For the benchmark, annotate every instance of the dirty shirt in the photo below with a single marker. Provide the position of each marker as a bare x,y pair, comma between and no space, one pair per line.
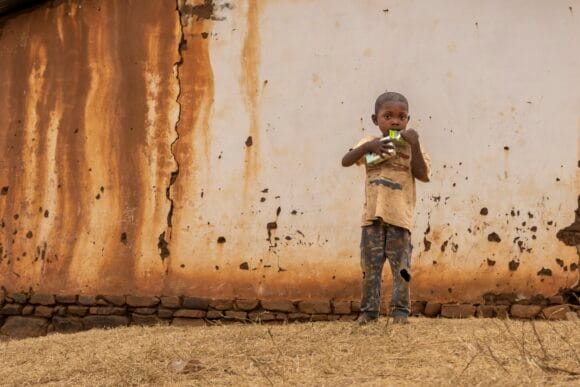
390,187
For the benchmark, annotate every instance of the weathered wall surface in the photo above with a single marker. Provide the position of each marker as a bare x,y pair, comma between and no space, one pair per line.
155,149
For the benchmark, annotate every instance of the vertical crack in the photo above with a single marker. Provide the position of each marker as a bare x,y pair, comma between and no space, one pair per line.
163,244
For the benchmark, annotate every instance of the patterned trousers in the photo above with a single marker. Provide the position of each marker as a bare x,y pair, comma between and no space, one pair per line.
379,242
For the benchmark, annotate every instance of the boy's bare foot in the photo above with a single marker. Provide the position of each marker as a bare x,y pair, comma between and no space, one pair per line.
400,320
364,319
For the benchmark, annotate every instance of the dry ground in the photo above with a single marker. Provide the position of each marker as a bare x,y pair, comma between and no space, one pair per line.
428,351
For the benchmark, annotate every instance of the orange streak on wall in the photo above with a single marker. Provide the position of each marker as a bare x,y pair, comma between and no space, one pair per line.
250,85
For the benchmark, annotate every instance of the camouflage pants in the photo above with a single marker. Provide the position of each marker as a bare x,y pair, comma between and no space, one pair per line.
379,242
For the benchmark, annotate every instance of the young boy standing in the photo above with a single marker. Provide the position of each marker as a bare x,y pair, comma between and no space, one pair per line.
389,204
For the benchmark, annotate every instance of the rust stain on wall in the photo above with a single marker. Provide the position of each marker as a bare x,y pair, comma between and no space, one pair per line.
84,166
250,62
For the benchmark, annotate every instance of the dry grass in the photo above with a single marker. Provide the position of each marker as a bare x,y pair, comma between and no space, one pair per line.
428,351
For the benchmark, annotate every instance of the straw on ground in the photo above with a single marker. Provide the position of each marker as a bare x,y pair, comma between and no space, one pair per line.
432,351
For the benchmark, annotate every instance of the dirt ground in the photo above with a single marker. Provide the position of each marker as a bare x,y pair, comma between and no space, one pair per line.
428,351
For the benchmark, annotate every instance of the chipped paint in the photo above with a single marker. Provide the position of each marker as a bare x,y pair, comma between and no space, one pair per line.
192,147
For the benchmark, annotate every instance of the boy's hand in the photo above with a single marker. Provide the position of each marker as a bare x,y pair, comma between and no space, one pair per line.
379,147
411,136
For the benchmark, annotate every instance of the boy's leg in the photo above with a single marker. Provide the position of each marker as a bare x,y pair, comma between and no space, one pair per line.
398,251
372,261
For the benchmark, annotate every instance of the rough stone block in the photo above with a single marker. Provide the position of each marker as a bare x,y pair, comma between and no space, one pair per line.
27,310
221,304
262,316
341,307
525,311
314,307
556,312
333,317
247,305
87,300
77,310
42,299
115,300
165,313
417,308
556,300
298,317
108,310
457,310
60,310
279,306
11,309
319,317
171,302
195,303
348,317
2,297
142,301
66,299
138,319
190,313
146,311
501,311
485,311
90,322
67,324
281,316
214,314
432,309
236,315
187,322
355,306
19,298
44,311
20,327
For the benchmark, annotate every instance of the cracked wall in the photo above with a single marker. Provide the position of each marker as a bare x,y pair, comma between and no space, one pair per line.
192,146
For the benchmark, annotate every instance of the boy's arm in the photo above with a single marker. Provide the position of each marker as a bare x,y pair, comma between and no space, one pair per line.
419,166
373,146
353,155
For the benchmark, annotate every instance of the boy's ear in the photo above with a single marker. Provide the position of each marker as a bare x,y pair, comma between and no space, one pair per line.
374,118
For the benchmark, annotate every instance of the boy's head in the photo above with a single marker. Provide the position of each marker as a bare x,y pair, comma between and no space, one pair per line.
391,112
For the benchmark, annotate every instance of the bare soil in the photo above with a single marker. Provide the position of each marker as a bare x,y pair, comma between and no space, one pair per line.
427,351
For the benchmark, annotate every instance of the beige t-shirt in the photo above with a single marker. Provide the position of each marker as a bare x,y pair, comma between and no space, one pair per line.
390,188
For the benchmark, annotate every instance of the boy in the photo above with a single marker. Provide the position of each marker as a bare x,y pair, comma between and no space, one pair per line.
389,205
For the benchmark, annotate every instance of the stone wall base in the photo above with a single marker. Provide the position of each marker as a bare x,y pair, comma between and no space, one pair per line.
30,315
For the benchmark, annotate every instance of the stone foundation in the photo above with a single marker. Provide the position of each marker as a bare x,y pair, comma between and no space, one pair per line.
29,315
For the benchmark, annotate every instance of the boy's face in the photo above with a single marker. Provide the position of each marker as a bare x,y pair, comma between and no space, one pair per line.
391,115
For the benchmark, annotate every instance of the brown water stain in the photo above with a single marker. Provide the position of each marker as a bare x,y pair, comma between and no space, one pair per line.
250,62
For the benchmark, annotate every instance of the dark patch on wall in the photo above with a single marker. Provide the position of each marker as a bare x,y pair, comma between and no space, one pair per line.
244,266
571,235
221,239
4,191
490,262
427,244
513,265
249,141
545,272
484,211
162,245
493,237
124,238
